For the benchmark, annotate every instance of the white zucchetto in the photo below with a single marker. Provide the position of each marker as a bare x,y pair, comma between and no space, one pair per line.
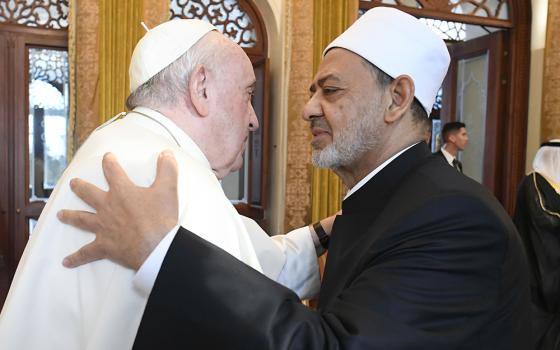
162,45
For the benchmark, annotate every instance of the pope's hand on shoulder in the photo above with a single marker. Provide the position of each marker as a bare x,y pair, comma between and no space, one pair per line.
129,221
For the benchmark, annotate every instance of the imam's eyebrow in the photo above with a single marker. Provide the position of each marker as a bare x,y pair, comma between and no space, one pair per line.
321,81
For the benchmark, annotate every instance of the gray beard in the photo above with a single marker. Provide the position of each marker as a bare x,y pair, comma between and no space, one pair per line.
360,135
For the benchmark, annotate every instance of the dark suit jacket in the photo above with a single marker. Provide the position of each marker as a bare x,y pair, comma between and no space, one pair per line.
440,154
421,258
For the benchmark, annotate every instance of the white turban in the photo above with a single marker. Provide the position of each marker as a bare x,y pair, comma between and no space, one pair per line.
399,44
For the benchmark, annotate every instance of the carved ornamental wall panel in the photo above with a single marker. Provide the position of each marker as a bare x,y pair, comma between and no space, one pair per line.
48,65
227,15
52,14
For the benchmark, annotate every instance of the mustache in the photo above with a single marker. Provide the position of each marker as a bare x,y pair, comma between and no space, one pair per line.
320,123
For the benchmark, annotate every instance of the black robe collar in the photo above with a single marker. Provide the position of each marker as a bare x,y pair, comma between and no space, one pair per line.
374,193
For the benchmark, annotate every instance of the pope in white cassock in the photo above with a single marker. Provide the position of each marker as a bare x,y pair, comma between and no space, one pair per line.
191,94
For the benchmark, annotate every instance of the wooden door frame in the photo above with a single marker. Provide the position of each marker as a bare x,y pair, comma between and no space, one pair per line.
5,142
256,209
518,41
492,44
15,117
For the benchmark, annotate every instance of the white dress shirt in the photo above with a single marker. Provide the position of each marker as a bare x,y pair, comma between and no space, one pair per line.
448,156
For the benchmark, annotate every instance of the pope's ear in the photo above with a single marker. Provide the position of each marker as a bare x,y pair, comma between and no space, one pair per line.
402,96
198,86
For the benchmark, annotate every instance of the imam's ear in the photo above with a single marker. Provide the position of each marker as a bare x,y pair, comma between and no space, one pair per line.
402,96
198,85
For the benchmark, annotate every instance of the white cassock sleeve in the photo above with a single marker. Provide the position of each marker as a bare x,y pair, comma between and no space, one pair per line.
288,259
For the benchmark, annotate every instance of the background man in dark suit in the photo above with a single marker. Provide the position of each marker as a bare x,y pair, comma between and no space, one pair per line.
420,258
455,138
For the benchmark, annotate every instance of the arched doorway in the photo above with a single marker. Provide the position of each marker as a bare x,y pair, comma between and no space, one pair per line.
504,54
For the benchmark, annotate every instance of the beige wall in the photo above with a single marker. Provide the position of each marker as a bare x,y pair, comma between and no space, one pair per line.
538,39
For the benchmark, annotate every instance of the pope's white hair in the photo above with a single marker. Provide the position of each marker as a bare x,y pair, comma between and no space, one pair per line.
169,85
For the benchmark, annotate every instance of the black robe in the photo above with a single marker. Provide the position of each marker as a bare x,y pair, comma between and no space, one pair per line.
421,258
539,228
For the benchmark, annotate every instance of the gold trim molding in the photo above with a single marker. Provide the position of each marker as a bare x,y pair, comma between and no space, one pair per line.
86,61
298,172
550,123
